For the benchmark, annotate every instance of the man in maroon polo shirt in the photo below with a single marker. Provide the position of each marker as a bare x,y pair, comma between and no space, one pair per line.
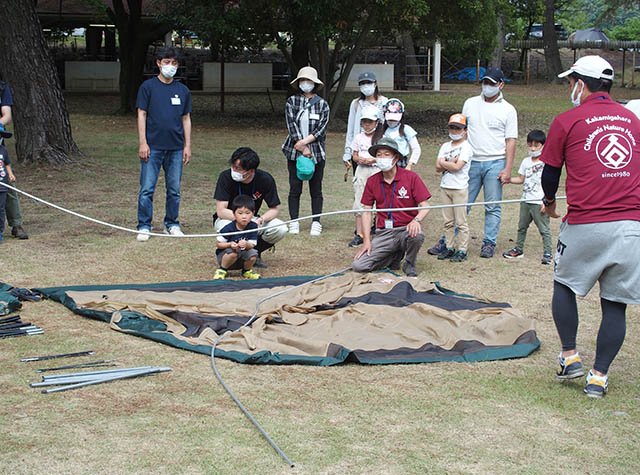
398,232
598,142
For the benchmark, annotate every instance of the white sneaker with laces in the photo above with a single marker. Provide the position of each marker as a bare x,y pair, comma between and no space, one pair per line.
316,228
143,235
294,228
173,231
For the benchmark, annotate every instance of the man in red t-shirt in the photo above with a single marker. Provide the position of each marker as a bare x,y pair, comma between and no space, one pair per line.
398,232
598,142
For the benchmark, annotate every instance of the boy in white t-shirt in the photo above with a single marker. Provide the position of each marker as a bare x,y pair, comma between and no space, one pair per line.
454,161
530,175
366,164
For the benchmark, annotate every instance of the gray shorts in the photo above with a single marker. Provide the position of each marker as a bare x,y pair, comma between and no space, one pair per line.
242,255
608,253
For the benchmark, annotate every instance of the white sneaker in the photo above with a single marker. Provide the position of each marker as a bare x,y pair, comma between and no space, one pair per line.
143,235
294,228
316,228
173,231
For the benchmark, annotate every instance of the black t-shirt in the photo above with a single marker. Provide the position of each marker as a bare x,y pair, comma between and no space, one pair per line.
262,188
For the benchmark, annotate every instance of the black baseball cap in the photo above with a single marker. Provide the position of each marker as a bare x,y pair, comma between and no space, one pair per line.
494,75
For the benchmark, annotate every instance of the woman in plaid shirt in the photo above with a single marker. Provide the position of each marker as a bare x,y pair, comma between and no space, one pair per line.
307,115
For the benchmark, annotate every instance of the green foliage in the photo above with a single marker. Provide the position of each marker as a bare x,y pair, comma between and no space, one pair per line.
630,31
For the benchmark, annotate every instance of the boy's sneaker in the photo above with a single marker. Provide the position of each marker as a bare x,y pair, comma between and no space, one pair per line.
19,232
459,256
596,386
294,228
569,367
546,258
220,274
316,228
488,248
249,274
356,241
514,253
440,246
446,254
143,235
173,230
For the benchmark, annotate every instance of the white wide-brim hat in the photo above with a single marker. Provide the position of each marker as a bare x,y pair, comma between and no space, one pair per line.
310,73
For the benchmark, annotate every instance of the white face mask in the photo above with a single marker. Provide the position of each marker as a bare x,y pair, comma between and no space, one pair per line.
371,130
237,176
393,124
168,71
306,86
575,95
368,89
384,164
455,137
489,90
535,154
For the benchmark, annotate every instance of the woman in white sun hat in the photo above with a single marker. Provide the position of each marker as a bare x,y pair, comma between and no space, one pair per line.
307,116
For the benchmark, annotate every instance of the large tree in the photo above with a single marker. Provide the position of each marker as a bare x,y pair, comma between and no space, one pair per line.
550,40
43,130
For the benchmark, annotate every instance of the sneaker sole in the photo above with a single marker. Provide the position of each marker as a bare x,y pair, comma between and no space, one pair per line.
513,257
594,394
573,375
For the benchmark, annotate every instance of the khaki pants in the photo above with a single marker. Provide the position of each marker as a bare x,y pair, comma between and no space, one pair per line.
455,217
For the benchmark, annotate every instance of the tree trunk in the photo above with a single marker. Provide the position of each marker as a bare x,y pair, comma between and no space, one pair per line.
42,126
496,56
135,38
413,68
551,51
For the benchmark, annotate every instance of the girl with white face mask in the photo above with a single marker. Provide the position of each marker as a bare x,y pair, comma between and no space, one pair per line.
369,97
404,135
307,116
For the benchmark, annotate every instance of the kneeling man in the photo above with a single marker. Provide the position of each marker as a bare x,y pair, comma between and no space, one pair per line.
244,178
398,232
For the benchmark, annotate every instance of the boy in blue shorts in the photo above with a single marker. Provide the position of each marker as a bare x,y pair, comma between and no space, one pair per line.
238,249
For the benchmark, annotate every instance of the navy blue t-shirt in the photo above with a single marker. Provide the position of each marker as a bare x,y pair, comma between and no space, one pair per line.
5,98
165,105
4,161
231,228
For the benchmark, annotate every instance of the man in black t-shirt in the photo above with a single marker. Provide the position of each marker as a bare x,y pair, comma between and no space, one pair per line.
244,178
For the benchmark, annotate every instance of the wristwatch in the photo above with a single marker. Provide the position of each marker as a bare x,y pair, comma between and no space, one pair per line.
416,219
547,202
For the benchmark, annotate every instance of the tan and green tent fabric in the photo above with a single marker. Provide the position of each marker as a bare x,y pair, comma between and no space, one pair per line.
372,318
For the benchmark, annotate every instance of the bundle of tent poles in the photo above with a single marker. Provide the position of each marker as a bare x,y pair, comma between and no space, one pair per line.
68,381
14,326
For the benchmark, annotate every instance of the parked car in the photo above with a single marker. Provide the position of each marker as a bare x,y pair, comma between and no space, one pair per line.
536,32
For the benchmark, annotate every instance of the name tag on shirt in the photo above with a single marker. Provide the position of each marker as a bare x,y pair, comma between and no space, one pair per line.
388,224
175,101
314,116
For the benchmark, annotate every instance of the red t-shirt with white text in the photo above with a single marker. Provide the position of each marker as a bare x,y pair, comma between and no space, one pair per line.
405,191
599,144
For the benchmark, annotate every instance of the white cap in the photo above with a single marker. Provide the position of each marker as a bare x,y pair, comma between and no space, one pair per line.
591,66
369,112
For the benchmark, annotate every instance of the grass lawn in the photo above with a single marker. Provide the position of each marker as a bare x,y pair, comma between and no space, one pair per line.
492,417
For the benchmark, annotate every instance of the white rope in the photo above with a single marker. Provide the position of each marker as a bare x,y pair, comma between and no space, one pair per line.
264,228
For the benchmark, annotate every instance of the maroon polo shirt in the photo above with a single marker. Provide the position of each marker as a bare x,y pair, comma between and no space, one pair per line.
405,191
599,144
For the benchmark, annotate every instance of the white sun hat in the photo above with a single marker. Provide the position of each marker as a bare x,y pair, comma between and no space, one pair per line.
309,73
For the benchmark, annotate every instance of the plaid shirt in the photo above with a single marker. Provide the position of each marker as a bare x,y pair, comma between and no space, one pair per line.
317,127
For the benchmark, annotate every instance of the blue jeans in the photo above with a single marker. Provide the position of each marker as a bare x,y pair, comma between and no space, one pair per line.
171,162
485,174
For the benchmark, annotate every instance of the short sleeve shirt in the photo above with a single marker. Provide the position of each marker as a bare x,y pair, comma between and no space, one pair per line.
5,98
402,140
165,105
4,161
262,188
598,142
361,144
489,125
405,191
456,180
532,185
252,237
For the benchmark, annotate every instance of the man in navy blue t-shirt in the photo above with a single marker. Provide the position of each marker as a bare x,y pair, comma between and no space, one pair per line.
164,129
14,212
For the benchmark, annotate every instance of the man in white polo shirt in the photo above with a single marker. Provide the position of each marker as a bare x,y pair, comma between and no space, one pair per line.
492,134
